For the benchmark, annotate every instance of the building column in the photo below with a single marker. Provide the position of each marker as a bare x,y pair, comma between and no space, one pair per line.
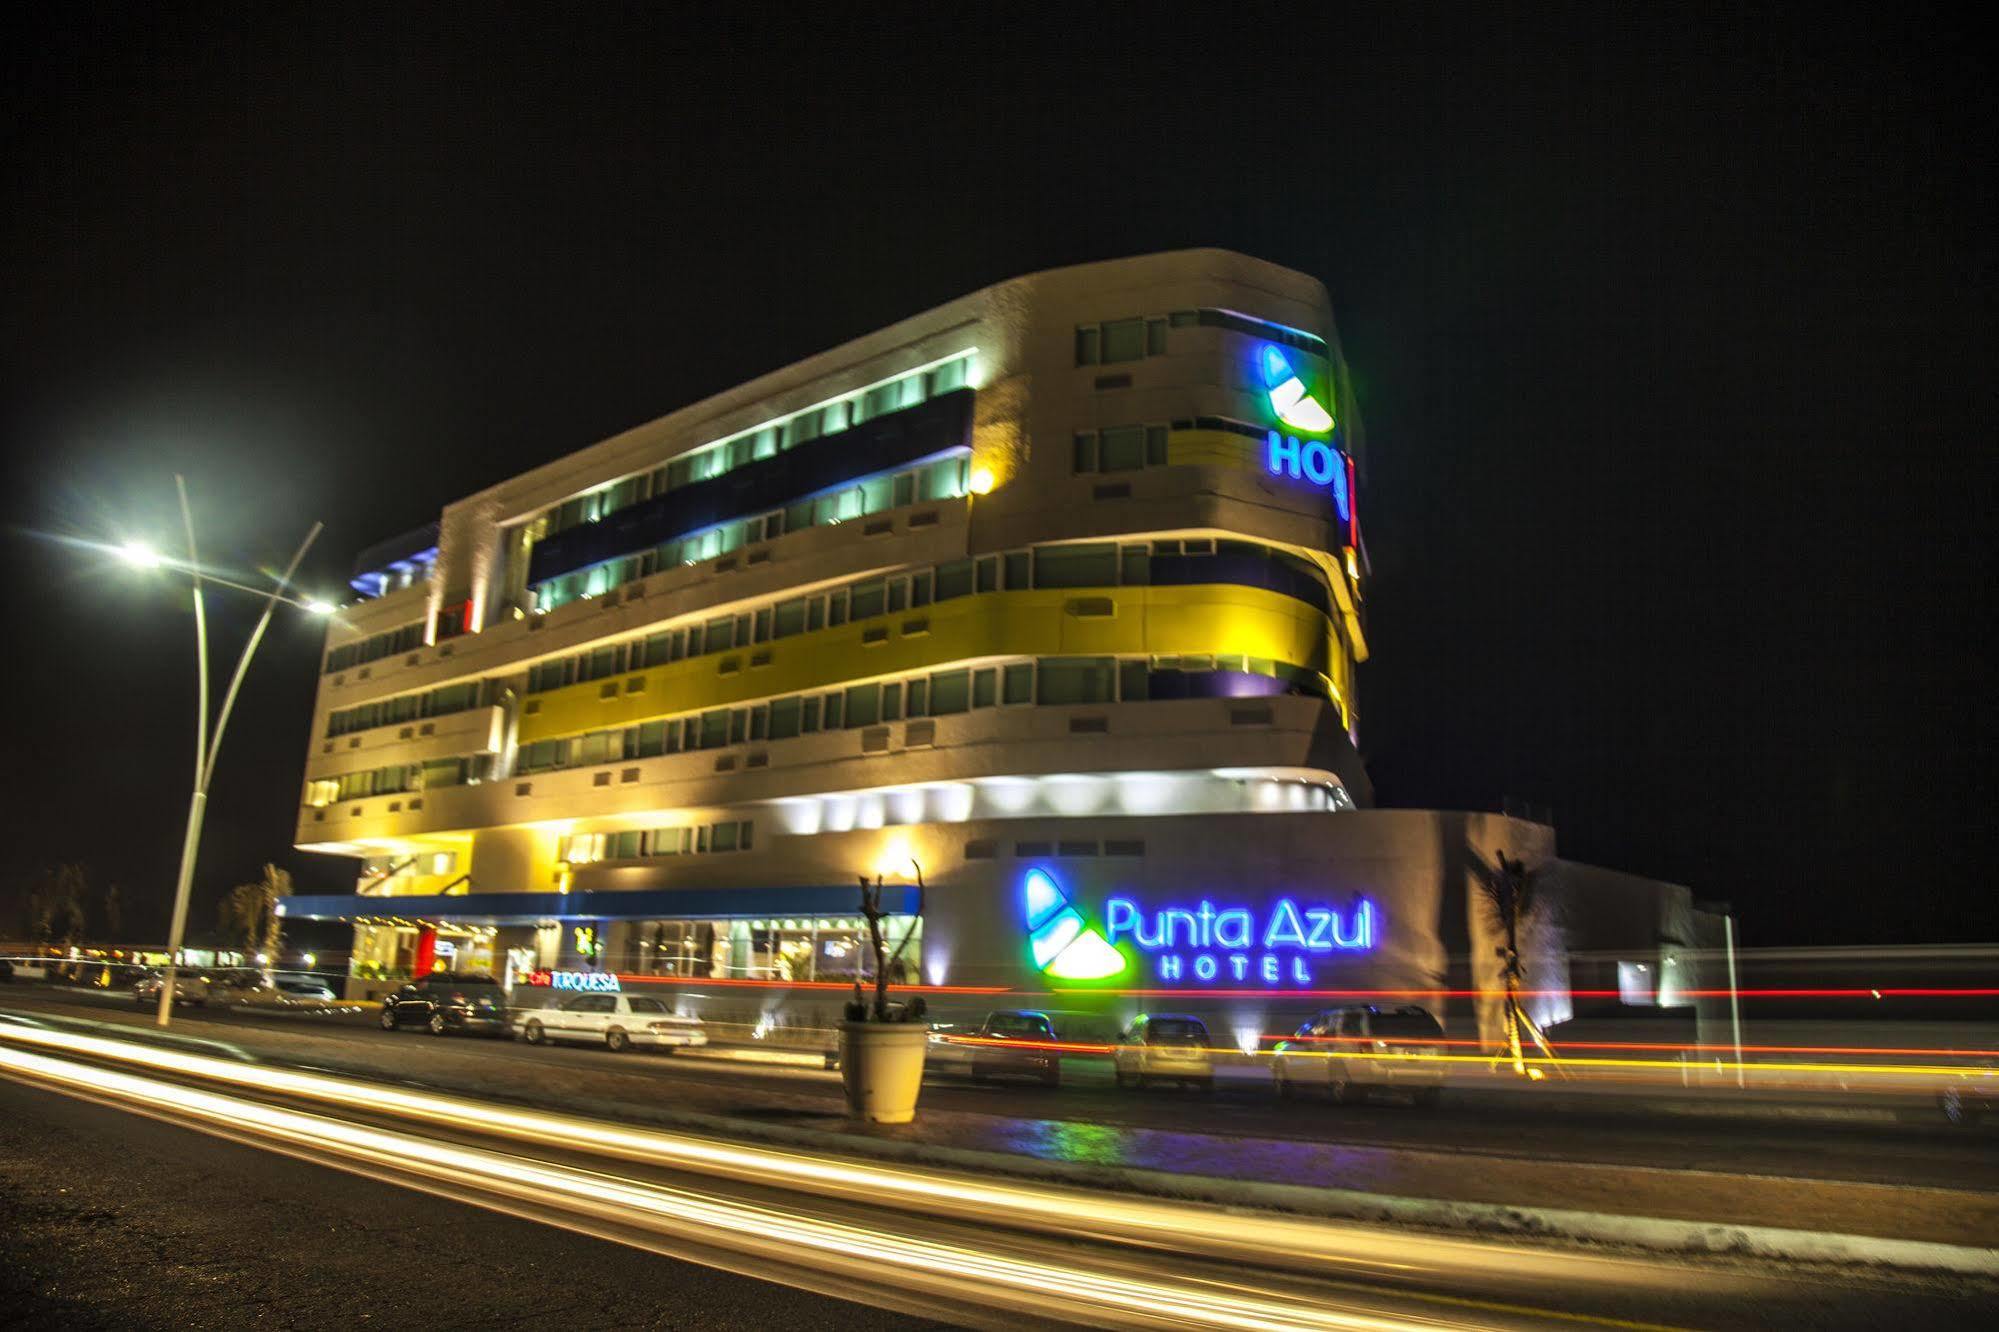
426,951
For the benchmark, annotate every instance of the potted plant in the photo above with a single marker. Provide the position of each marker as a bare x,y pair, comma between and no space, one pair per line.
882,1042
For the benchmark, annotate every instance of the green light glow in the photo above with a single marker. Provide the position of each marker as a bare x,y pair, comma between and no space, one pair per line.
1059,941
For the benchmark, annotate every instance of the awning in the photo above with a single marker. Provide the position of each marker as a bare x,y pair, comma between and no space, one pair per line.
651,904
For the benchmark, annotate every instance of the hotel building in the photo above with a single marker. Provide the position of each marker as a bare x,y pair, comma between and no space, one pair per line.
1052,595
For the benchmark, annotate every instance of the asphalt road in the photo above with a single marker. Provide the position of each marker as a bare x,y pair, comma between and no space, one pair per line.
1905,1147
114,1220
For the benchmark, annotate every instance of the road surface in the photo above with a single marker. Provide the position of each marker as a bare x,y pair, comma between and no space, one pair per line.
257,1237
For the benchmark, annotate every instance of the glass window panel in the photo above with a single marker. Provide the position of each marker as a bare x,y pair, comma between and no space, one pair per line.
720,634
989,572
835,416
891,702
950,692
865,599
1088,564
739,726
905,489
1076,680
956,375
1017,566
652,739
863,705
1122,448
919,588
1084,455
808,715
1123,340
1086,346
830,711
815,614
1155,446
722,837
984,686
1135,566
1155,337
714,729
898,595
942,480
919,698
789,619
761,633
1017,684
784,718
1131,681
954,580
877,494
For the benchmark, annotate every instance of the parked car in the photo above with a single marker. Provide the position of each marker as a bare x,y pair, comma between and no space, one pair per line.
1018,1043
618,1021
1164,1047
241,987
299,987
448,1001
190,987
1345,1052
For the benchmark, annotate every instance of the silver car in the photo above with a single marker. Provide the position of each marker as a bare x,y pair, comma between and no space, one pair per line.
1165,1047
1344,1052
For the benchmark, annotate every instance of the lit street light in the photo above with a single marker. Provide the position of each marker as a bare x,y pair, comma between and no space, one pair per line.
206,747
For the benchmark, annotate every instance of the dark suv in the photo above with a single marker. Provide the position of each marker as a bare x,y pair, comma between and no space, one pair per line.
447,1001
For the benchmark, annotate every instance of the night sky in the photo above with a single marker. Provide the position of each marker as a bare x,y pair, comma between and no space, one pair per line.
1674,341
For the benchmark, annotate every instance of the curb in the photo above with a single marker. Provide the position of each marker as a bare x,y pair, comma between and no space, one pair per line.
1652,1234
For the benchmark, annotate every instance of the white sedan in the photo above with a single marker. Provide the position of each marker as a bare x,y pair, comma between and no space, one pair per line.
618,1021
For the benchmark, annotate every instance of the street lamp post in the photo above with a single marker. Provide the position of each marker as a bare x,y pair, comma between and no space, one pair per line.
206,747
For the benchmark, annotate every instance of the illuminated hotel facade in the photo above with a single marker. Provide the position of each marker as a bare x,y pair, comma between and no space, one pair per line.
1055,592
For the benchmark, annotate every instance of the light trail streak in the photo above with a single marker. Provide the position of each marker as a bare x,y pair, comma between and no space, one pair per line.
1042,1283
1316,1246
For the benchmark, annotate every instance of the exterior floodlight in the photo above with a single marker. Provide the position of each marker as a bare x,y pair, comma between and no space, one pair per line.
320,607
982,481
139,555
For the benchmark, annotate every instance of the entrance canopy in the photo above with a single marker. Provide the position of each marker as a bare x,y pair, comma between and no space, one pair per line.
654,904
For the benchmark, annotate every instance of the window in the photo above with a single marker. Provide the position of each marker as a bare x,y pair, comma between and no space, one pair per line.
1123,340
1122,448
722,837
950,692
1086,346
1065,680
1085,456
1087,564
789,619
784,714
1017,683
866,599
984,686
1155,337
863,705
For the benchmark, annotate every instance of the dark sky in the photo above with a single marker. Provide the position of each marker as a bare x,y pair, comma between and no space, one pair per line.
1674,338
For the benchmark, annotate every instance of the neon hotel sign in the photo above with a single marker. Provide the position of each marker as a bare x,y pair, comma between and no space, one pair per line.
1209,944
1237,944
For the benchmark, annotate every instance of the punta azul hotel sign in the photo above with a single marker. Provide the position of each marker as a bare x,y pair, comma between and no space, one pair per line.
1317,462
1278,945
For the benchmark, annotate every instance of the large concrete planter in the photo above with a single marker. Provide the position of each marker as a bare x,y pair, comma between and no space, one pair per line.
881,1065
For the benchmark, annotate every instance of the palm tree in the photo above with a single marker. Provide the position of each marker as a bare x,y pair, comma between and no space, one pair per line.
1510,891
251,909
